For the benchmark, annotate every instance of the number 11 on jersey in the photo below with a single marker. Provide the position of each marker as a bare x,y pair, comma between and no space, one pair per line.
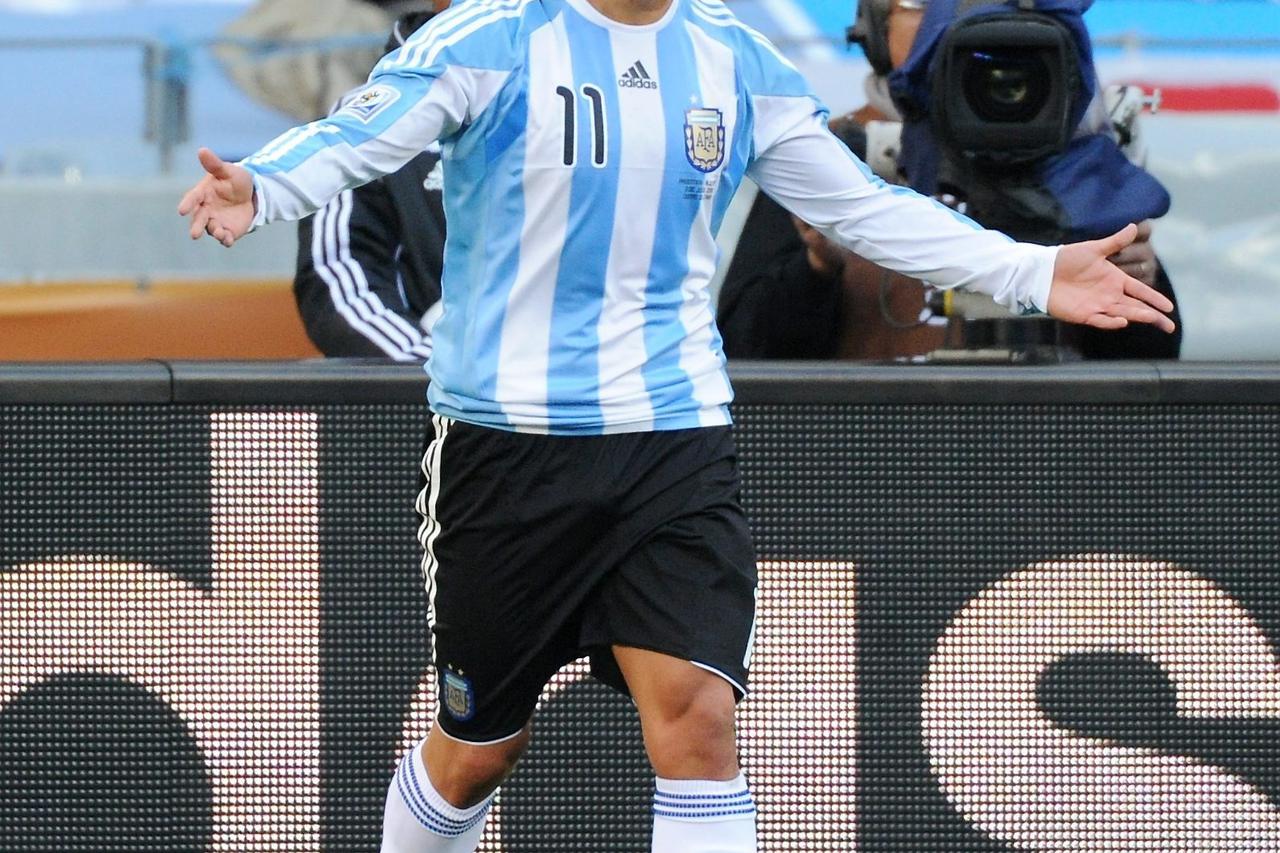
599,146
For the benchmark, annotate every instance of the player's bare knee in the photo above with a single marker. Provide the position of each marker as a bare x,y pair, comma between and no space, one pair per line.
705,705
472,775
693,736
465,774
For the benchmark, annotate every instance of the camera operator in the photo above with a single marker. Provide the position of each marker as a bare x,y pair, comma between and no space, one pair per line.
1003,113
856,310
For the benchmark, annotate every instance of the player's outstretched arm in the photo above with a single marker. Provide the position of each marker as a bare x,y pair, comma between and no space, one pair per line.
221,204
816,178
1087,288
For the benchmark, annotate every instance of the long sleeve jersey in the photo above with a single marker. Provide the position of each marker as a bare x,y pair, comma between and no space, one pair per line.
587,166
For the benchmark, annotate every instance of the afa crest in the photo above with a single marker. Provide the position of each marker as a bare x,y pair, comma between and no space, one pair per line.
704,138
459,697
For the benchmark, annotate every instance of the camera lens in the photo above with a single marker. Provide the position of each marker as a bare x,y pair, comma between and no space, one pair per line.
1005,85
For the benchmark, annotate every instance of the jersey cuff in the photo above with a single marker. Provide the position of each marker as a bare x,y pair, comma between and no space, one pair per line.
1042,280
259,205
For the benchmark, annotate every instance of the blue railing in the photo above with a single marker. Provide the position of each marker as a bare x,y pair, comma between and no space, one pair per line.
168,78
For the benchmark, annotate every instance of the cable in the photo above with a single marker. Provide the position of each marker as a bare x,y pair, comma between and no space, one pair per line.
886,287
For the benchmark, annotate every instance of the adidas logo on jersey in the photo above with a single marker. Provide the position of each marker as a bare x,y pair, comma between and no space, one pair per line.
636,77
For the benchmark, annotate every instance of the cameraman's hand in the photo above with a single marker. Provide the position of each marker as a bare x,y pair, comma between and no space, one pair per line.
1138,259
1087,288
221,205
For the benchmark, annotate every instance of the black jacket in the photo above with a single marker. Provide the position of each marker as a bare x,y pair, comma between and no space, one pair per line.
772,303
366,281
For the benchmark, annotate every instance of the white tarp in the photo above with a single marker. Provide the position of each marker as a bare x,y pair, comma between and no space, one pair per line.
304,85
64,6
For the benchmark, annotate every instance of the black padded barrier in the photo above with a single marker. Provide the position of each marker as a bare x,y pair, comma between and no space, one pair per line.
1000,609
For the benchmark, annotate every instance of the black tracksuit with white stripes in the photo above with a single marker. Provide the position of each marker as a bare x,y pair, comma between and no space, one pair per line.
369,265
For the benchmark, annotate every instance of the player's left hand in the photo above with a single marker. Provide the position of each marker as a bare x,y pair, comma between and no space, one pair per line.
1087,288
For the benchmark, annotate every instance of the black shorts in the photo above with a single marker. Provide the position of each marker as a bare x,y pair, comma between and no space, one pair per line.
540,549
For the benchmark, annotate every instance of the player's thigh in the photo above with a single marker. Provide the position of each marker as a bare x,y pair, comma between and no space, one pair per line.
671,692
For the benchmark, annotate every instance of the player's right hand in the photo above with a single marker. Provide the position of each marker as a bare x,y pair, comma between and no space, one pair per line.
221,205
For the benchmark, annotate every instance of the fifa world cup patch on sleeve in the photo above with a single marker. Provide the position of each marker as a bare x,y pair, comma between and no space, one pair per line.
459,697
367,103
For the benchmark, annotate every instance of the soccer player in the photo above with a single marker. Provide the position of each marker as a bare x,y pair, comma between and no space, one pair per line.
582,489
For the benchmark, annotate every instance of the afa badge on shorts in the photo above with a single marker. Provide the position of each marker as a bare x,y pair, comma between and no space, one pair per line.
459,697
704,138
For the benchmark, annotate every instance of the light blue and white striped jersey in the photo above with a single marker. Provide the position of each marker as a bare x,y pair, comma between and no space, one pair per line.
587,165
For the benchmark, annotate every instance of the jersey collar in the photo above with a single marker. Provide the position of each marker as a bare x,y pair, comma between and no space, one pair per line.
595,16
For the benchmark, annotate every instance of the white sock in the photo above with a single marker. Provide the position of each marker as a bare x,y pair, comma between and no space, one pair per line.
418,820
697,816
